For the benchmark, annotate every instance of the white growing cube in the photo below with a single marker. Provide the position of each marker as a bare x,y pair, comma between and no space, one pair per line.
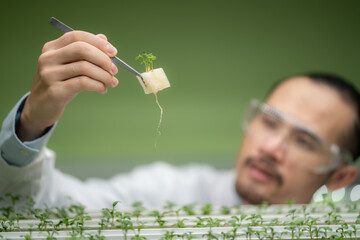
154,81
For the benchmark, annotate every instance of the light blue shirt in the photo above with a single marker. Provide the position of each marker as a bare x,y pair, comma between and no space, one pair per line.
12,149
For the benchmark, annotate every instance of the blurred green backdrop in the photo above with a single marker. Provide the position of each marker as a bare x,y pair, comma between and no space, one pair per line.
217,55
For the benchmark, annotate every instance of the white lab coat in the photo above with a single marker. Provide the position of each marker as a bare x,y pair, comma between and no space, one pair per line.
153,185
35,175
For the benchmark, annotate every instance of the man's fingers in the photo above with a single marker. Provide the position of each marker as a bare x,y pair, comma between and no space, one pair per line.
76,69
82,83
84,68
81,51
80,36
102,36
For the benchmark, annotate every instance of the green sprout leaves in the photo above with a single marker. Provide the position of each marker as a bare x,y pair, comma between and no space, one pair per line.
146,59
172,222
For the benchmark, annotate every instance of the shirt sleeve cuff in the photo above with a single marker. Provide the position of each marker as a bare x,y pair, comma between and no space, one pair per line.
12,149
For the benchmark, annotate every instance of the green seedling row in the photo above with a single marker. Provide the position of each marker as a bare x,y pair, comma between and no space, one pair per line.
279,232
20,219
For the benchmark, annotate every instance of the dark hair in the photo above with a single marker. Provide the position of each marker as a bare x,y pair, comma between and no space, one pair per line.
351,141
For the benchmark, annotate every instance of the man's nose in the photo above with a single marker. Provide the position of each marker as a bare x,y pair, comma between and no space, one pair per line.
275,146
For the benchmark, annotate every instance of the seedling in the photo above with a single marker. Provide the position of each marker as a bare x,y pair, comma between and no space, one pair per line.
188,236
103,223
275,221
210,222
147,59
7,211
78,209
153,80
292,214
79,224
189,209
333,218
324,231
355,229
66,221
60,212
256,219
343,230
353,207
96,236
13,198
138,209
292,229
169,207
248,233
29,236
6,224
270,233
329,202
259,234
158,217
44,222
110,213
125,223
290,202
225,235
263,205
169,235
201,222
180,223
51,234
30,203
17,217
225,210
306,214
207,209
236,221
317,232
137,233
232,234
310,224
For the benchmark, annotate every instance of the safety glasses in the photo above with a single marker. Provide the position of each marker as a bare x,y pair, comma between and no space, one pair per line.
264,124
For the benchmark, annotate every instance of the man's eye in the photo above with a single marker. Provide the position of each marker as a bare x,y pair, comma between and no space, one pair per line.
305,142
269,122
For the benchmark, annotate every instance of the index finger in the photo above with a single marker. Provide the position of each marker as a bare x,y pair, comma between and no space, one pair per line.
75,36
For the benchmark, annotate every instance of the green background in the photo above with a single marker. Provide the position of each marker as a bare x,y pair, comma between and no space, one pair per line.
216,54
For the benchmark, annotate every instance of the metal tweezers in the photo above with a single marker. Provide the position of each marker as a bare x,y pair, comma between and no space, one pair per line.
64,28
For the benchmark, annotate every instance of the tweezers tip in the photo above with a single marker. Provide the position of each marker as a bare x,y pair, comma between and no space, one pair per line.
52,19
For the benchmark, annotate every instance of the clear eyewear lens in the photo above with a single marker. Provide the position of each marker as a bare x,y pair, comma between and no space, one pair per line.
263,123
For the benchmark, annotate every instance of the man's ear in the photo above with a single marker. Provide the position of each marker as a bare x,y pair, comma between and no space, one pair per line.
342,177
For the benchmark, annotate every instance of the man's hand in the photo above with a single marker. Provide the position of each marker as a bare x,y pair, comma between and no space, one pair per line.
78,61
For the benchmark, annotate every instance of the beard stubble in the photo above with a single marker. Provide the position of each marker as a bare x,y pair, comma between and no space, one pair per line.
248,193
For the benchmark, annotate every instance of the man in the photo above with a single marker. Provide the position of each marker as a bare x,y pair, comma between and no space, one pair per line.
303,137
300,140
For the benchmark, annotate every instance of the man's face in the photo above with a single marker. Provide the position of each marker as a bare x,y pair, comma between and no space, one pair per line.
265,171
